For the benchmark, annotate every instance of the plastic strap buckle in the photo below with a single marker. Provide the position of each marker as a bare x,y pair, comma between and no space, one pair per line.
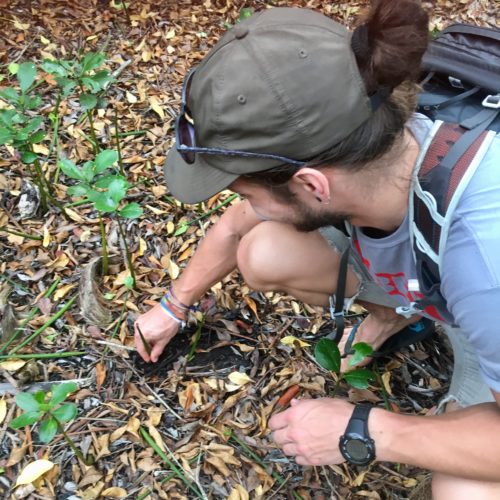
492,101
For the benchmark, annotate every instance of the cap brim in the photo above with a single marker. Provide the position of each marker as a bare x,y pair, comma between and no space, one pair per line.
192,183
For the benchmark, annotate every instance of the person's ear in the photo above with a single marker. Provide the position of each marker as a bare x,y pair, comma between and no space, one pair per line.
314,182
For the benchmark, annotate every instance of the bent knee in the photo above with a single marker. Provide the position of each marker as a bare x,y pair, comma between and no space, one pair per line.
257,256
445,487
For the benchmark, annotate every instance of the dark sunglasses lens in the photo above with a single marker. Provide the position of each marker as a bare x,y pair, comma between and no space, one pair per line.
185,132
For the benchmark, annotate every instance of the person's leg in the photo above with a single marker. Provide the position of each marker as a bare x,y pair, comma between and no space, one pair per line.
276,257
466,389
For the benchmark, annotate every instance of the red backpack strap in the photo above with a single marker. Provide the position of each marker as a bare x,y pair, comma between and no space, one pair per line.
440,180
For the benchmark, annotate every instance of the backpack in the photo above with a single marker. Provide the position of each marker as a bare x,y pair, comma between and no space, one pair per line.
461,93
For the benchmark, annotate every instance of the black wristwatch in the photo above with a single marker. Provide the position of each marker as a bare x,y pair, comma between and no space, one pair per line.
356,445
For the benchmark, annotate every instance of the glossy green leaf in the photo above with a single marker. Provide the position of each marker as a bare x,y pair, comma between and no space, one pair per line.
13,68
327,354
28,157
26,75
245,13
362,351
6,116
66,413
102,201
131,211
9,94
78,190
88,171
37,137
27,418
102,78
33,124
47,430
129,282
5,136
90,84
104,181
181,229
54,68
27,402
67,85
61,392
105,159
40,396
88,101
33,102
117,189
92,60
359,378
70,169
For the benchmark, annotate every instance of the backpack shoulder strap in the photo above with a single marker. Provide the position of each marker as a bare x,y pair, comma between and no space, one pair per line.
441,178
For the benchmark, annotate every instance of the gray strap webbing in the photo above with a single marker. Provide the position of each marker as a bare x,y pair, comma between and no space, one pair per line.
462,145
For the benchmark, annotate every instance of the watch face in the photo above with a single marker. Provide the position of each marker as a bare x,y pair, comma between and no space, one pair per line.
357,449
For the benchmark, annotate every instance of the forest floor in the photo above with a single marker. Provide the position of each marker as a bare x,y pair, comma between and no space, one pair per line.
193,425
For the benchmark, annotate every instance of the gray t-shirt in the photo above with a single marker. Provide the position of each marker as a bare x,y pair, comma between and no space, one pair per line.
470,274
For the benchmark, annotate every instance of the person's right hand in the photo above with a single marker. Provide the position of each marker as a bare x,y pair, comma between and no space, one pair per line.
158,329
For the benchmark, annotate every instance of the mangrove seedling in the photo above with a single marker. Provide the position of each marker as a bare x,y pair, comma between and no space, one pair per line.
328,355
86,77
100,184
47,410
21,127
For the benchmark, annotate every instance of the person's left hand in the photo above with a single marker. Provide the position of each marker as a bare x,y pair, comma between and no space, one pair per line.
310,430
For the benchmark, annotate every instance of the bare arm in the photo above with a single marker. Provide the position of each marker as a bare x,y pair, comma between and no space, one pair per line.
213,260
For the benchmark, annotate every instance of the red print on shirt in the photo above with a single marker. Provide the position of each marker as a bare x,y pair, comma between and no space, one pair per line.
397,284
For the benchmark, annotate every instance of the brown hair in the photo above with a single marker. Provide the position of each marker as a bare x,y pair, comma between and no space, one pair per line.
394,38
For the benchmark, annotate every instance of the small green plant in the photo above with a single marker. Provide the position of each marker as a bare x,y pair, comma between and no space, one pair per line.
100,184
88,78
21,127
47,410
328,355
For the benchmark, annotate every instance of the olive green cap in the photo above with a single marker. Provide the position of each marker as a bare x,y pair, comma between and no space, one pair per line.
284,82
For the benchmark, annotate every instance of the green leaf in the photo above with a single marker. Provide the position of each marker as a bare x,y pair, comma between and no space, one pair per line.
129,282
40,396
6,116
26,75
70,169
5,136
181,230
91,85
9,94
105,181
359,378
361,350
78,190
88,171
54,68
27,402
25,419
33,102
245,13
105,159
61,392
102,201
327,354
66,412
67,85
88,101
47,430
33,124
117,189
131,211
28,157
102,78
37,137
13,68
92,60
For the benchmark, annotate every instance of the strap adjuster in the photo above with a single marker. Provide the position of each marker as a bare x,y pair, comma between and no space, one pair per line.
492,101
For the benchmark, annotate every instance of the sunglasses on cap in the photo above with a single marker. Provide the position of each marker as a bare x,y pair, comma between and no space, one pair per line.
185,136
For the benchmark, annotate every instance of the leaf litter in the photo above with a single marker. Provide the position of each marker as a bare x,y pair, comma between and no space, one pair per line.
178,428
